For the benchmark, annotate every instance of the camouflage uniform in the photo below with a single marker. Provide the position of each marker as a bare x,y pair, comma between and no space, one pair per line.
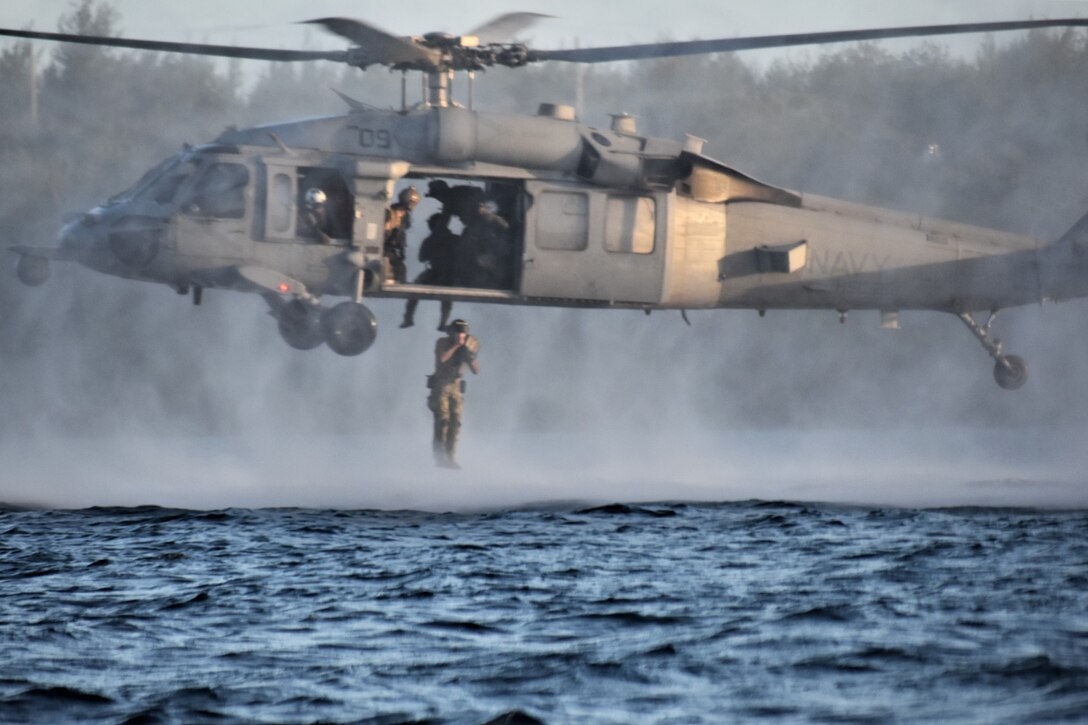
398,220
446,400
486,250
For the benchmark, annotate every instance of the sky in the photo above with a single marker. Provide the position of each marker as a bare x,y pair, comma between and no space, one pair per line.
273,23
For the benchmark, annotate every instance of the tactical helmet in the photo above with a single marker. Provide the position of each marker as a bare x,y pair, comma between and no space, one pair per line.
408,196
458,326
437,189
315,197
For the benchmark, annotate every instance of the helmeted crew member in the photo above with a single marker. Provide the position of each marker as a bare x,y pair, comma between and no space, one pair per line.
398,220
438,251
451,354
316,213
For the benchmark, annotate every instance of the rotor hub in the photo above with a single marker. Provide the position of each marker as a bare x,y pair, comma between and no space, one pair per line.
453,55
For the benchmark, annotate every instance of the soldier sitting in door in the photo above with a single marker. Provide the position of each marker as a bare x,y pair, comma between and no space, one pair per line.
485,258
438,251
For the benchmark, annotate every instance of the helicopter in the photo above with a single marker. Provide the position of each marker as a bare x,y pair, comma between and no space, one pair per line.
554,212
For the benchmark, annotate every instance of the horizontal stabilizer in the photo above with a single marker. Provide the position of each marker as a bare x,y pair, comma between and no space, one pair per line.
1063,265
58,254
1077,237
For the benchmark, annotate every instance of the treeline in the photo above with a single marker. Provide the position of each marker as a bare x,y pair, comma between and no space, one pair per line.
1000,139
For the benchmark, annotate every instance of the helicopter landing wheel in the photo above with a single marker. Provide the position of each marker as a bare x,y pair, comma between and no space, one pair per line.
300,326
350,328
1011,372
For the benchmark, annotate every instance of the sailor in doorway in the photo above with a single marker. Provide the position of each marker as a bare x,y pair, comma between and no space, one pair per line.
438,251
398,219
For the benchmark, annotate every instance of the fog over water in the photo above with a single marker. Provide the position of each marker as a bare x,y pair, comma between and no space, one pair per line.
117,392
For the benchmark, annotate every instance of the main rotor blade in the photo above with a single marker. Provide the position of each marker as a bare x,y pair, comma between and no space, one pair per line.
222,51
722,45
378,45
504,28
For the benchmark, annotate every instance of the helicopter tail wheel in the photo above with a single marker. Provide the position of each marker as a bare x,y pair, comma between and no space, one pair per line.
32,271
300,325
350,328
1011,372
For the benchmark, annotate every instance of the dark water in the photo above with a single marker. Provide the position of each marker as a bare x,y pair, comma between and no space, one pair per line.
665,613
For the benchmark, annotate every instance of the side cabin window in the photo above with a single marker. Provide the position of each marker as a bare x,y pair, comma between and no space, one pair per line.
220,192
280,197
630,224
563,220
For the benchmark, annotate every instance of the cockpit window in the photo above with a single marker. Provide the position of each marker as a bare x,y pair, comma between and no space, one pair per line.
220,192
150,177
163,189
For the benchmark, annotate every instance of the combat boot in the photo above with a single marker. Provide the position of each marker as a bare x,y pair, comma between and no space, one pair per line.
444,320
409,313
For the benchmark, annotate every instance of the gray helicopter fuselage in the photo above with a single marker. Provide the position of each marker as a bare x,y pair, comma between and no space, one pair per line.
605,218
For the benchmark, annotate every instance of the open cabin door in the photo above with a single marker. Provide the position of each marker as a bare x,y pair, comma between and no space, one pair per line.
585,243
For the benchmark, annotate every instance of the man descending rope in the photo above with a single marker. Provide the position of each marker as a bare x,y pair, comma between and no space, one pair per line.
451,355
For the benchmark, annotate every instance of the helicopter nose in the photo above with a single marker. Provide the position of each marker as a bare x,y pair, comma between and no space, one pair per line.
132,240
135,240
